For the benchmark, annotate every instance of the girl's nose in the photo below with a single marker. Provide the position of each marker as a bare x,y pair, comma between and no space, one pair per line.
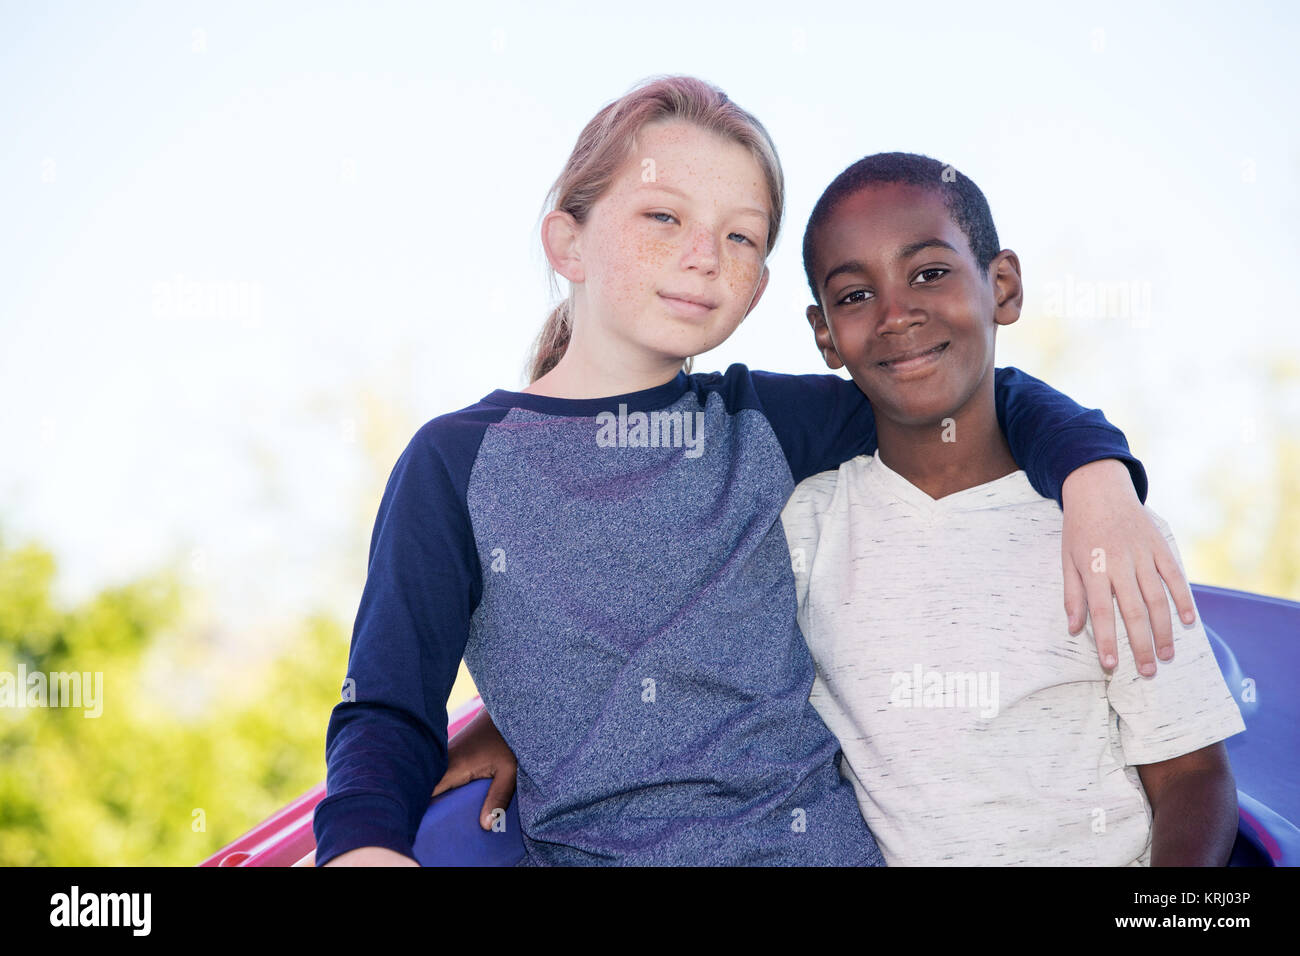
702,252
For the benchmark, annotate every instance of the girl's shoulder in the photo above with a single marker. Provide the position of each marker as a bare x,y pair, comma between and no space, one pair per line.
442,450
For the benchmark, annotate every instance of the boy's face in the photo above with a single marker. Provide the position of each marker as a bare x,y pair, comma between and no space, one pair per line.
905,307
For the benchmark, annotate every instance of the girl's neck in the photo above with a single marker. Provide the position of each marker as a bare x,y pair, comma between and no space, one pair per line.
582,373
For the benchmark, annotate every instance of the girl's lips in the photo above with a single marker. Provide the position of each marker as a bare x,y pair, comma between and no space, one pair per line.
685,308
928,357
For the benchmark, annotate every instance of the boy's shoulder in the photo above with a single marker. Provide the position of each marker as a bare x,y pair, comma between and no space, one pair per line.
817,491
815,495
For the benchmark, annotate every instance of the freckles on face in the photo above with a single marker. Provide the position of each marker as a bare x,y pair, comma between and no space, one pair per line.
679,231
742,277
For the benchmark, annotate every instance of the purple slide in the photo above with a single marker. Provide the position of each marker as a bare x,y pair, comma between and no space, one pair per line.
1256,641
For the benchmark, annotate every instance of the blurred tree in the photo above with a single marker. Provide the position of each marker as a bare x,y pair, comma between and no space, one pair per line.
139,784
1256,546
191,748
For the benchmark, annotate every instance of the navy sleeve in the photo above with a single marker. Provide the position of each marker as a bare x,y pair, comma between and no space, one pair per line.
822,421
1051,435
386,744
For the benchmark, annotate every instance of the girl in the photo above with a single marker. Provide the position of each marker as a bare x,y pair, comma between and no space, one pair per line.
604,548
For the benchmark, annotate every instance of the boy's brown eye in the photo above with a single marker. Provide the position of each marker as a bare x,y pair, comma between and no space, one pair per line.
936,273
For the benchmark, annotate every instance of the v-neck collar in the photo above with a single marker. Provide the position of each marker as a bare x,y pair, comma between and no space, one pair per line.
1008,489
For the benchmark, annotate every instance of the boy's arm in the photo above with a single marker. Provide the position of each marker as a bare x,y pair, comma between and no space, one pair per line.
480,752
1193,806
1109,545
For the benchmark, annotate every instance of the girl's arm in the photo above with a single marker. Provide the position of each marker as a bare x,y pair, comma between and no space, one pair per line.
386,744
1109,544
372,856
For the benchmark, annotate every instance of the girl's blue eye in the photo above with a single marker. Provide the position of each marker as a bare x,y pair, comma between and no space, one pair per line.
667,217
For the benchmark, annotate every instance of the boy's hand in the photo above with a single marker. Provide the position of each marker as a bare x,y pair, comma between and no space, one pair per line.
1110,545
478,752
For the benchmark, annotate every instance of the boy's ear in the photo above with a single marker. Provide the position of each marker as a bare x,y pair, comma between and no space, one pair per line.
762,284
1008,289
822,333
560,233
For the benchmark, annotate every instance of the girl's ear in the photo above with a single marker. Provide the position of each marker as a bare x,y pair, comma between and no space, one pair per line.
1008,289
822,333
560,233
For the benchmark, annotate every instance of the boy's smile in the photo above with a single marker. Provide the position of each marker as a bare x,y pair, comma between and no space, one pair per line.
905,307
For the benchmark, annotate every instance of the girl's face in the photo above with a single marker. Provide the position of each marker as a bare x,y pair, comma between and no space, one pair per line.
671,256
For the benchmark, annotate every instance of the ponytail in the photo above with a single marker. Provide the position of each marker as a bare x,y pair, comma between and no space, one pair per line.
551,342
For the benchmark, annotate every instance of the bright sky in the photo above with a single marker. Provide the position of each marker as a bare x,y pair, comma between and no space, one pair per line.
368,178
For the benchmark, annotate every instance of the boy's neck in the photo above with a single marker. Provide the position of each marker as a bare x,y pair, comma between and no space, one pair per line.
942,460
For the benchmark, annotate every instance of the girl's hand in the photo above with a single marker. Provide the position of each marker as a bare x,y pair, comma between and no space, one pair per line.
372,856
478,752
1110,545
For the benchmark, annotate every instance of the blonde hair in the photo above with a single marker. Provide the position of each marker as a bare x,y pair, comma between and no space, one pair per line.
605,145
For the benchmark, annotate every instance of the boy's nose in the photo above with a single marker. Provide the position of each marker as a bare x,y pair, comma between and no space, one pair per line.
899,313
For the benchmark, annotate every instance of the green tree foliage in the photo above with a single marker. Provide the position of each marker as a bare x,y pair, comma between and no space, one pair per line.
147,782
193,747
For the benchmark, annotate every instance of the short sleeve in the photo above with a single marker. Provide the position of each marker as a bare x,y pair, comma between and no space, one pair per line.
1185,707
802,519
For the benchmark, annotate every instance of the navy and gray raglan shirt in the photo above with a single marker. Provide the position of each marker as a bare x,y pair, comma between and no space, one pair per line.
615,574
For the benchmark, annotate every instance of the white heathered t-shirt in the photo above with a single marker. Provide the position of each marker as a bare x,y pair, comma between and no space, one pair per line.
976,730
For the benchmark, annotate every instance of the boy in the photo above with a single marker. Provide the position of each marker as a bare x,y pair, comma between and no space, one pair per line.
975,728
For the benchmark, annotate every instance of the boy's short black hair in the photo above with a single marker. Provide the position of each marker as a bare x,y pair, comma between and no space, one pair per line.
966,204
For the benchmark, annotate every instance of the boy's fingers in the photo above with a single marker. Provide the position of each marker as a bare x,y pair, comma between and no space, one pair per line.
1137,621
1076,598
498,798
1162,625
451,780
